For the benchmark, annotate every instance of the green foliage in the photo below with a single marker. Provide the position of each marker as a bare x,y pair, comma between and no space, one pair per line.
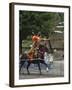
45,22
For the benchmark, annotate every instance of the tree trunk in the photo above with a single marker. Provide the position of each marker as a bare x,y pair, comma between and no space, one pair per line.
50,46
51,50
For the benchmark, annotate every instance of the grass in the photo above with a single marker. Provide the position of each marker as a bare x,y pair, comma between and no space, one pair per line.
26,43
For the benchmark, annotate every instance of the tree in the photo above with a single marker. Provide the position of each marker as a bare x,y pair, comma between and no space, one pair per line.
44,22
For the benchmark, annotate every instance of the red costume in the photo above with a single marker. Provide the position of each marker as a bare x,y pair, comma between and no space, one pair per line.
35,38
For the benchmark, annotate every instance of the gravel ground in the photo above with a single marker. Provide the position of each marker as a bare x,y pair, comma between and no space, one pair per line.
56,70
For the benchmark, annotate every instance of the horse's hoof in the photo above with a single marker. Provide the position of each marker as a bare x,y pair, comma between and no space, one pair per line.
47,69
28,73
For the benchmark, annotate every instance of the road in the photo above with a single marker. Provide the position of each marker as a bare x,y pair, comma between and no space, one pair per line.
56,70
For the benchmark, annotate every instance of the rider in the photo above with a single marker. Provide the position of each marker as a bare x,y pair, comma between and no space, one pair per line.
32,53
36,40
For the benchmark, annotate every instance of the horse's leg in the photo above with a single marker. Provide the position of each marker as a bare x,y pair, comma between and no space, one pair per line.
21,64
43,62
39,66
28,67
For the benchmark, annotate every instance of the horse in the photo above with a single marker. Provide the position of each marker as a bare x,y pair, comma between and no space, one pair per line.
39,59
